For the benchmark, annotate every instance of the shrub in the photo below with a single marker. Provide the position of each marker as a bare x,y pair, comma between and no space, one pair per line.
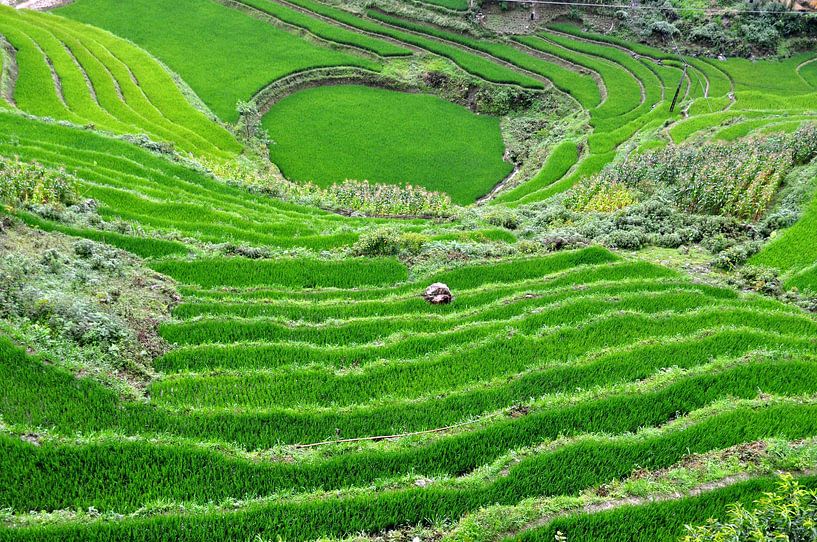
804,143
790,513
628,240
560,240
31,183
760,279
735,256
738,179
760,34
600,196
502,218
711,34
388,242
664,29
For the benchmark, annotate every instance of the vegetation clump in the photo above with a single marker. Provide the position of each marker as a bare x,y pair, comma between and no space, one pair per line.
350,196
788,513
737,180
26,183
388,242
724,197
89,306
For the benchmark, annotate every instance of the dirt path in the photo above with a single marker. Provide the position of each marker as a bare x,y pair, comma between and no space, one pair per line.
8,77
803,65
42,5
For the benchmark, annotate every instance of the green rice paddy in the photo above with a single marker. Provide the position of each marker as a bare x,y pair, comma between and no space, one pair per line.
330,134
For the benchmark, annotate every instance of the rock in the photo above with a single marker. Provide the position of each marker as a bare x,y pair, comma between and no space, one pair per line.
438,294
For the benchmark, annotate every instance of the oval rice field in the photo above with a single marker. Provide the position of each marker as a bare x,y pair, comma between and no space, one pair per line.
329,134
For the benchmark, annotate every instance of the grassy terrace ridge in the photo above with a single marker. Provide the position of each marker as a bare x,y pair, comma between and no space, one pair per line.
311,518
151,460
325,30
386,137
168,198
623,90
297,273
470,62
237,54
563,157
717,80
581,87
652,521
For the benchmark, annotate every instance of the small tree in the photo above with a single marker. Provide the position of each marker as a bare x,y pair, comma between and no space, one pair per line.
788,514
249,119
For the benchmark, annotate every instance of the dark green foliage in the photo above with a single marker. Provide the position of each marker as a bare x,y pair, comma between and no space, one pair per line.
788,513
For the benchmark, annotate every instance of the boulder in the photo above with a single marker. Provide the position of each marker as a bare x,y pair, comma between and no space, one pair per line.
438,294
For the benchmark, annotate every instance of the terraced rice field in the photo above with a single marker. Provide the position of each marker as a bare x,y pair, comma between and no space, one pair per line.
309,392
626,88
284,366
239,55
93,83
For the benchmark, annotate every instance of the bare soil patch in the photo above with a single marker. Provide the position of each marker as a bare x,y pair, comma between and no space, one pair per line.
38,5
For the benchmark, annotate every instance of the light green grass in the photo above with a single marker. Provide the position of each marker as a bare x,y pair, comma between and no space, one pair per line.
325,30
558,163
794,249
235,54
331,134
105,82
770,76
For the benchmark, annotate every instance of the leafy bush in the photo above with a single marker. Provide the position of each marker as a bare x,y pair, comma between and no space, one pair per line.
761,34
731,179
597,196
804,143
760,279
388,242
663,28
656,221
502,217
31,183
790,513
734,256
629,240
